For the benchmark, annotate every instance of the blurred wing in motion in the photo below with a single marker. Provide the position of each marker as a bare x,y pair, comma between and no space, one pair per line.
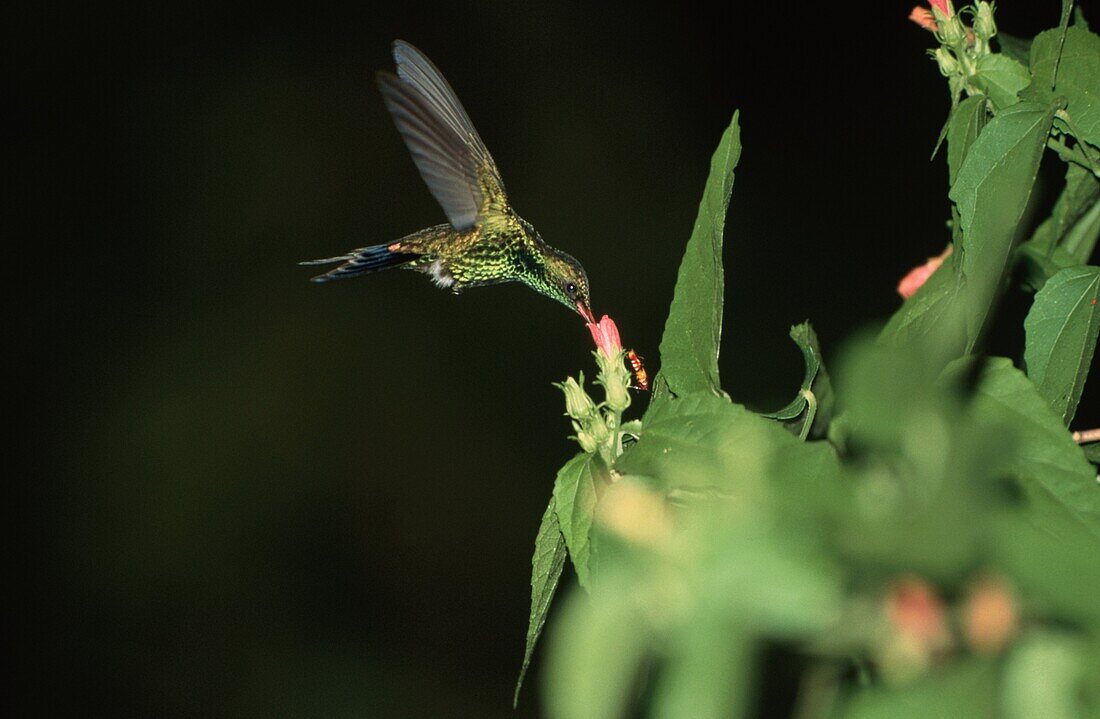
452,159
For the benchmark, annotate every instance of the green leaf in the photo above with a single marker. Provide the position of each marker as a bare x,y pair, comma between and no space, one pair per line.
1040,265
963,128
1044,677
707,672
1017,48
1078,76
815,395
991,193
1061,330
575,504
1078,198
1045,453
960,690
546,568
596,648
693,331
1081,239
699,445
1092,452
1000,77
931,316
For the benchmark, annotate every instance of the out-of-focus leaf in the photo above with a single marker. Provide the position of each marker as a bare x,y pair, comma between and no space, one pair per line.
575,504
706,674
546,567
596,651
1046,455
702,444
1049,554
1078,77
693,331
991,192
815,396
1062,328
1000,77
1044,677
1092,452
960,690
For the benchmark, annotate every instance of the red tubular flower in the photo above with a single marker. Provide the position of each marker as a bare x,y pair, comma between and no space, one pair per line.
920,274
606,336
944,6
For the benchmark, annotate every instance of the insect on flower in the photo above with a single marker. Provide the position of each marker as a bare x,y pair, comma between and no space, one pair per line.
641,377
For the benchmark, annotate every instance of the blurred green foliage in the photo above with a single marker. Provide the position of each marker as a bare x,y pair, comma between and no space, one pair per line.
935,553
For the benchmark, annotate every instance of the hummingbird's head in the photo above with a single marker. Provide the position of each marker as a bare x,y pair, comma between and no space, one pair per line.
566,282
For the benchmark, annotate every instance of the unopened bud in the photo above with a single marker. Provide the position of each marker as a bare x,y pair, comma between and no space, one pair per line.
617,382
587,442
952,30
948,64
578,404
984,26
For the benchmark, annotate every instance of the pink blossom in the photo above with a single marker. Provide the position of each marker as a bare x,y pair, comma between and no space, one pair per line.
944,6
916,611
920,274
606,336
924,18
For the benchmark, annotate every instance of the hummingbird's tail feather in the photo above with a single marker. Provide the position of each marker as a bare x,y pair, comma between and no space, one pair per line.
362,261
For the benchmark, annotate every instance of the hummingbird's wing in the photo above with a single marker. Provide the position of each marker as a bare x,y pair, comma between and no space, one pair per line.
452,159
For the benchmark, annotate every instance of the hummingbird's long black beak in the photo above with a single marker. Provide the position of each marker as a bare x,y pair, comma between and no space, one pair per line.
586,313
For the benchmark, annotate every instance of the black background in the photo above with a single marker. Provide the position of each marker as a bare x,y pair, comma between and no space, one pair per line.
245,494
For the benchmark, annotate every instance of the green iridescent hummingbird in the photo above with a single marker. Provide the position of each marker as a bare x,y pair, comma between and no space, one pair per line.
485,242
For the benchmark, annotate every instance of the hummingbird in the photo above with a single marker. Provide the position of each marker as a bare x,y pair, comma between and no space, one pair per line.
484,241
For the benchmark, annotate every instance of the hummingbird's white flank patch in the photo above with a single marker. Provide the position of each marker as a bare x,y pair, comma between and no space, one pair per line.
440,275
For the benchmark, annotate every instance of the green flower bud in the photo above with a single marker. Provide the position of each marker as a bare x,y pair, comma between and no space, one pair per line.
616,382
948,64
984,26
952,31
578,404
587,443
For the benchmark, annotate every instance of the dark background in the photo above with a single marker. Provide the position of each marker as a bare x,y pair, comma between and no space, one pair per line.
245,494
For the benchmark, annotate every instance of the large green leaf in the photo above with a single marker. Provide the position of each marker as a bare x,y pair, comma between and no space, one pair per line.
1062,328
1000,77
546,568
991,192
575,503
689,348
1045,453
935,310
1078,76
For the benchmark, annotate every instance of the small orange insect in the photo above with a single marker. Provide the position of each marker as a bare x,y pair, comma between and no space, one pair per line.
641,377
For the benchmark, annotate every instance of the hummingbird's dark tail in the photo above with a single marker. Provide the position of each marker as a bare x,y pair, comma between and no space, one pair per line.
362,261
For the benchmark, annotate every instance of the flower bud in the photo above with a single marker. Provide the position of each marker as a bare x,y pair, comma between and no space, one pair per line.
948,64
578,404
984,26
586,441
616,382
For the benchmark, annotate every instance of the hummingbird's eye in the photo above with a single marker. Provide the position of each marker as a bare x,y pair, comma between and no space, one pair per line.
571,289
